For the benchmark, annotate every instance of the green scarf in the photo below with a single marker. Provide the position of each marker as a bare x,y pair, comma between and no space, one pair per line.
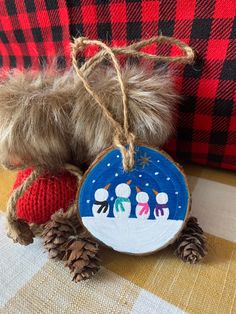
119,203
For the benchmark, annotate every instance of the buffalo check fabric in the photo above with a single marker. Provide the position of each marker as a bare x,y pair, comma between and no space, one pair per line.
33,32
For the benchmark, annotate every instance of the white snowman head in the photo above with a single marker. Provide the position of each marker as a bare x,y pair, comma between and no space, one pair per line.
162,198
141,197
101,195
123,190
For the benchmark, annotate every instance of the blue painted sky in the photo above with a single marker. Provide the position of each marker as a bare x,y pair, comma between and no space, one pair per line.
160,174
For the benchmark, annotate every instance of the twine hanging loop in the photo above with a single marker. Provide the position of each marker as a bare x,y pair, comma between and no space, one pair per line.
122,135
124,139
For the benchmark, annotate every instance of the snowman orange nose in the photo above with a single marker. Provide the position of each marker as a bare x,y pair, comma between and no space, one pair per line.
128,182
107,186
138,189
155,192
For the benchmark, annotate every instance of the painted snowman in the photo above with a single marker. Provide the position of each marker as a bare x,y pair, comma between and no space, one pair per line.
100,206
161,210
122,205
142,208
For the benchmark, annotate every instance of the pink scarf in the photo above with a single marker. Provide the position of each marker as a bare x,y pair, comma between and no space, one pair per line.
145,208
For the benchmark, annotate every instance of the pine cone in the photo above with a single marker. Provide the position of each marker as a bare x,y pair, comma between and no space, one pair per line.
65,239
191,245
57,232
82,257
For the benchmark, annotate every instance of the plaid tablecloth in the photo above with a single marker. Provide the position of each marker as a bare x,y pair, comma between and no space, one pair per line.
33,32
155,284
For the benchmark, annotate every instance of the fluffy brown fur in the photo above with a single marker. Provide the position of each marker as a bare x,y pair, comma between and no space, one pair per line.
47,119
152,100
34,119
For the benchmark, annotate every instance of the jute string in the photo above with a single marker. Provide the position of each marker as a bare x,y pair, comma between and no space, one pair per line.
133,50
19,192
120,133
123,138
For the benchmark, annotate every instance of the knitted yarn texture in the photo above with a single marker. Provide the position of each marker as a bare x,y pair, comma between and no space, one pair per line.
45,196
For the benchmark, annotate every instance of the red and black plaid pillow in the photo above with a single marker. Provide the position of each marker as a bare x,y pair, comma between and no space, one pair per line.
34,31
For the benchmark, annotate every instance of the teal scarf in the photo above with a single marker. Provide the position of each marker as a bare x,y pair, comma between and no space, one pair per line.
119,203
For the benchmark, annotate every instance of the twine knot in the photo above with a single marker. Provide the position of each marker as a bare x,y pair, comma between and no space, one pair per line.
79,44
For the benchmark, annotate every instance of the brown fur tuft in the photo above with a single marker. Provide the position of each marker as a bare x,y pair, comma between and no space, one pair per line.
34,119
152,101
48,119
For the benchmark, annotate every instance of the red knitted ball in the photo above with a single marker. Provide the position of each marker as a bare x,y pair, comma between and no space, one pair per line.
45,196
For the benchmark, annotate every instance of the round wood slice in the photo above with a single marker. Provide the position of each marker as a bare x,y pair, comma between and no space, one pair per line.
136,212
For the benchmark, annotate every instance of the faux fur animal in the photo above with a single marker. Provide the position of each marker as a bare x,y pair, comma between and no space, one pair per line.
48,119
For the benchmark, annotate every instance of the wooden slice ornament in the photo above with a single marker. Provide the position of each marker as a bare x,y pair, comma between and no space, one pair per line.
133,198
137,211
